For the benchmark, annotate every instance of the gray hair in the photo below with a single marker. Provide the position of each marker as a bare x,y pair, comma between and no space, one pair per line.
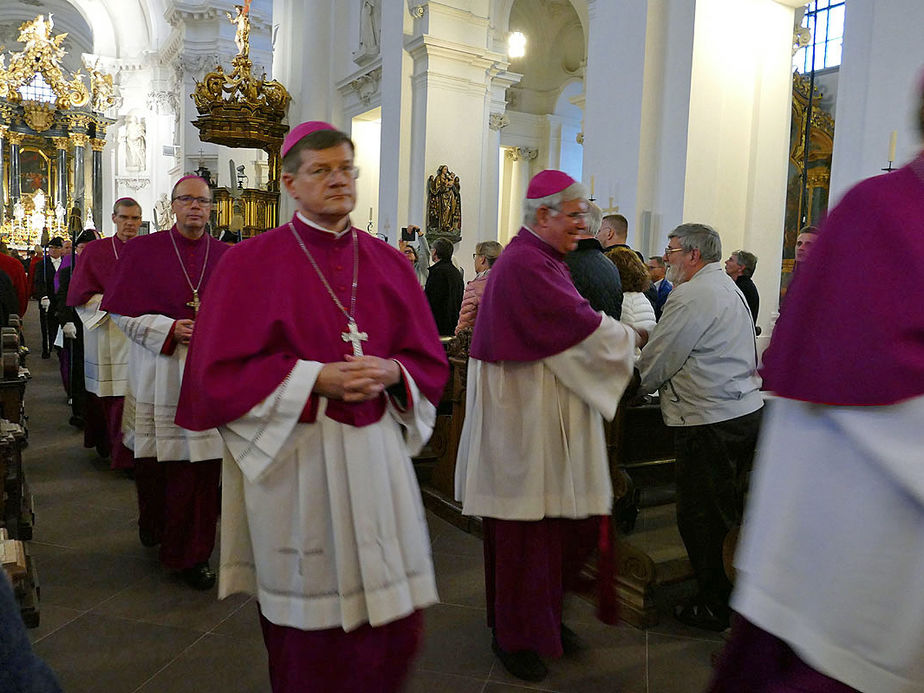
489,250
699,237
594,219
747,260
575,191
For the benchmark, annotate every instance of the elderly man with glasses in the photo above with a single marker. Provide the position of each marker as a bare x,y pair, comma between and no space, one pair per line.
320,400
702,359
154,298
545,369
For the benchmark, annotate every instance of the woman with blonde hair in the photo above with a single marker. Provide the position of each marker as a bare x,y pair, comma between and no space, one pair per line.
637,310
486,253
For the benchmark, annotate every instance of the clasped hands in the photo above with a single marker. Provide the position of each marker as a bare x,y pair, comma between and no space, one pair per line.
357,379
182,330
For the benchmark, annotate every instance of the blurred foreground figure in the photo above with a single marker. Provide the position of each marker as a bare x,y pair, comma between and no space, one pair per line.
830,580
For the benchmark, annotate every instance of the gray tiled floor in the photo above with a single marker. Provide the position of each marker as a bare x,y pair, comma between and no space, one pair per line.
112,620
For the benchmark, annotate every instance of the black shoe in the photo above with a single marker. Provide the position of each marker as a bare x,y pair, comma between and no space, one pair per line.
525,664
77,421
46,355
102,450
571,642
199,577
147,538
700,615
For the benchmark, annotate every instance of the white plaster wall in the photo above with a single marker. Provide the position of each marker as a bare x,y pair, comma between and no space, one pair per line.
613,107
737,143
876,94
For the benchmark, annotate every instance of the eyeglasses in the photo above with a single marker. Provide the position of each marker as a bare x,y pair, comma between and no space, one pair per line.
323,173
189,199
574,216
668,250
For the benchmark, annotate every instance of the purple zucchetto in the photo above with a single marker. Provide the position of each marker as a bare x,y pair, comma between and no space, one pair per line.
547,183
300,131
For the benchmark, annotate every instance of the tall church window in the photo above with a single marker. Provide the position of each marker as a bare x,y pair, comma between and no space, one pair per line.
38,90
825,19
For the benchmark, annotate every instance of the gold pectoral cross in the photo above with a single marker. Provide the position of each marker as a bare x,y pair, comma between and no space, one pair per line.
195,303
355,336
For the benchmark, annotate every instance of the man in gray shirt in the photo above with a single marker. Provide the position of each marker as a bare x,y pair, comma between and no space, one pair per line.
702,359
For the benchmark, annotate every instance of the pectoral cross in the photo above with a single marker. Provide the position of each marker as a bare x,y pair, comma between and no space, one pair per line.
355,336
195,303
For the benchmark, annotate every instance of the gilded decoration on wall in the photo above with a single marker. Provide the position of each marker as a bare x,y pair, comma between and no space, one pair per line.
42,54
39,116
444,206
239,110
812,168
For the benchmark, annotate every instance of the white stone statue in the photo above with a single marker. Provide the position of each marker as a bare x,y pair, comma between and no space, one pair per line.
368,31
135,149
163,213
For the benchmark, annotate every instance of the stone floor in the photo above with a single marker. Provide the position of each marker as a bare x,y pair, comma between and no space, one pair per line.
112,620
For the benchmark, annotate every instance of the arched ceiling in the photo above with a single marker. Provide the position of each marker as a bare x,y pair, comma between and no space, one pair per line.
555,52
124,29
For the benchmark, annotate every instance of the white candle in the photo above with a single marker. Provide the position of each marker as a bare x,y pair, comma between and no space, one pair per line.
370,214
610,206
591,186
892,142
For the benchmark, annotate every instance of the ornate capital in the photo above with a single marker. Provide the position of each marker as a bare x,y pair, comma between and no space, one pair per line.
15,137
163,102
579,138
417,11
79,139
133,183
61,142
367,85
97,144
517,153
498,121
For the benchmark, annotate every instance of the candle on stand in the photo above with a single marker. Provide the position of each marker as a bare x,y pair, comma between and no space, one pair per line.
591,186
370,214
610,205
893,140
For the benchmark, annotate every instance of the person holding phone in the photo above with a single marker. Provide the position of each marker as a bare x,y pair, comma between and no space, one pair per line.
419,255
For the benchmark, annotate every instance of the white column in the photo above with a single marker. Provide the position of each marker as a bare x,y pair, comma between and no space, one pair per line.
302,62
394,153
738,134
613,102
452,77
877,89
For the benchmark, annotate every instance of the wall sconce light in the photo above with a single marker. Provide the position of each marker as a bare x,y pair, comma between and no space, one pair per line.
516,44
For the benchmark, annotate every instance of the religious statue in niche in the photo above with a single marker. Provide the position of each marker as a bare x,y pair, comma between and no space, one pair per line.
444,206
369,22
135,149
242,36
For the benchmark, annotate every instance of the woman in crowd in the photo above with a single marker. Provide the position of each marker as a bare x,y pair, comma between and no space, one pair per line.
637,311
486,253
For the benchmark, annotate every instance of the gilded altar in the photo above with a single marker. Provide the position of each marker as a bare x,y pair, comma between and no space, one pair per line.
809,169
50,122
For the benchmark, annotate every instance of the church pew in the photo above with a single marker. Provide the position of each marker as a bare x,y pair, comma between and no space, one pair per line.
640,450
